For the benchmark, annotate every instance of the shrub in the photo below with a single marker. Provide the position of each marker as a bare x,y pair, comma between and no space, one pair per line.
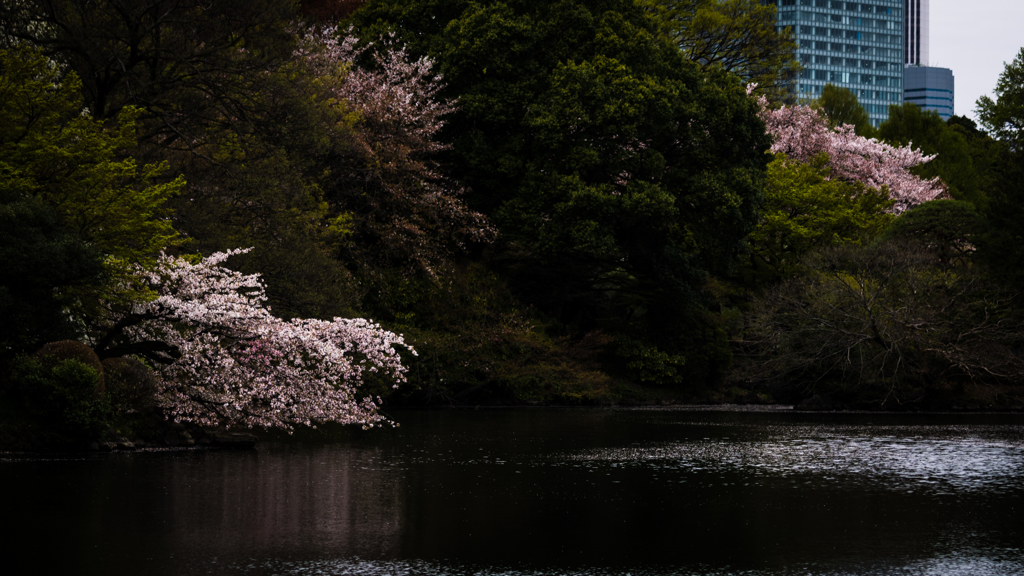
72,350
63,396
130,385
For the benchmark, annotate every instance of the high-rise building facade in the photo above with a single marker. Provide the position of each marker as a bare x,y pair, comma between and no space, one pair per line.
854,45
930,88
916,39
927,86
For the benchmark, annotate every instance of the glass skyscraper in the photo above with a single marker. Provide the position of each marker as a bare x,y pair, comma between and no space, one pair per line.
917,32
930,88
854,45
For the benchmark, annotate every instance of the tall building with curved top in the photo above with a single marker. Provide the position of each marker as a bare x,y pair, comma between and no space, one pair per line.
916,43
854,45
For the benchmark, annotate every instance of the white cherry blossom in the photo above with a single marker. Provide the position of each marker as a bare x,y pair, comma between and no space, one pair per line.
802,133
240,365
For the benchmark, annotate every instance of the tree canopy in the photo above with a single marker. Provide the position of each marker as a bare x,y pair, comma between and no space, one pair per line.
803,134
51,149
910,124
1004,116
804,210
739,36
619,172
840,106
158,55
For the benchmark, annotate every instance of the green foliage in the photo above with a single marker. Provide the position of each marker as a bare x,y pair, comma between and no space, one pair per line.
650,365
804,211
739,36
841,106
1003,248
51,150
954,164
178,60
619,172
1004,116
988,155
73,350
61,397
44,268
477,343
886,323
951,229
129,386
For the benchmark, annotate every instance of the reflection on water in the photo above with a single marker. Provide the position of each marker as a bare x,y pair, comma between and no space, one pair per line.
941,459
1009,564
560,492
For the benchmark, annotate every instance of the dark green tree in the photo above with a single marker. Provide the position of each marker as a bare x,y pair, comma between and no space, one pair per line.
619,172
740,36
954,162
951,229
1003,117
45,267
840,106
174,58
988,155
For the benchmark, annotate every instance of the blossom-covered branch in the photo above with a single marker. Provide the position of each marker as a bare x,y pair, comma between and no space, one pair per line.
240,365
802,133
413,212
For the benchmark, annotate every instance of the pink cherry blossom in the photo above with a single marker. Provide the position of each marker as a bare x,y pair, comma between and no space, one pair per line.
240,365
400,112
802,134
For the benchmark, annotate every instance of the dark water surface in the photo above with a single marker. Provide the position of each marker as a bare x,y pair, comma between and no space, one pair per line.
544,491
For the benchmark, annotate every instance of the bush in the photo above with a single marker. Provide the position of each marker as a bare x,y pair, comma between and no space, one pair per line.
62,396
72,350
888,321
130,385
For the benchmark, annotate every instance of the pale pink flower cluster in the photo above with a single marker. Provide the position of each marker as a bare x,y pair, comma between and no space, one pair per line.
399,91
400,112
240,365
802,133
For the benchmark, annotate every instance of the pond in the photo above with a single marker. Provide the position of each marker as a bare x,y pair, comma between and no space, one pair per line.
514,492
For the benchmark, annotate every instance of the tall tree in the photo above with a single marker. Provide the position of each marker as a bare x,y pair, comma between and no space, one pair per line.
740,36
618,172
988,155
803,134
173,58
840,106
52,150
910,124
1004,116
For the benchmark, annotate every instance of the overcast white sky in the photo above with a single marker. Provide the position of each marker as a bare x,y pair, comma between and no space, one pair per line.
974,38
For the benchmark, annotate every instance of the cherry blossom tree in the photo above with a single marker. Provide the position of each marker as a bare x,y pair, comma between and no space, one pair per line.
222,358
407,208
802,133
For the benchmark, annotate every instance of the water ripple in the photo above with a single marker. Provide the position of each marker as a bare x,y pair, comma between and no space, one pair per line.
944,458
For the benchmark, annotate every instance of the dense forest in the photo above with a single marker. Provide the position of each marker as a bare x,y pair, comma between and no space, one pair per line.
203,205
